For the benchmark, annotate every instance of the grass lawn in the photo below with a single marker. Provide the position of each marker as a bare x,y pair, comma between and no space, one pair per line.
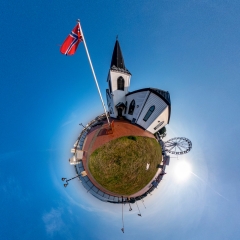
120,165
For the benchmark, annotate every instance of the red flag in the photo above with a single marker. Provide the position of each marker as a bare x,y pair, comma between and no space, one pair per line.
70,45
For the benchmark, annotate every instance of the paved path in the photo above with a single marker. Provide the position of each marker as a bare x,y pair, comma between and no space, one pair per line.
97,136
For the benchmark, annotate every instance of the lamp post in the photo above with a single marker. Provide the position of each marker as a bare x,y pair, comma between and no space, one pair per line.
82,125
143,203
139,214
130,209
122,217
67,180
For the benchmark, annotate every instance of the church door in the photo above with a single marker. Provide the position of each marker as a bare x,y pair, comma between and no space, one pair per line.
119,112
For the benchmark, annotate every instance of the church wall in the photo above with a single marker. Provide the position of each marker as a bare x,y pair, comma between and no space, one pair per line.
162,118
160,106
114,76
110,103
144,98
118,95
140,99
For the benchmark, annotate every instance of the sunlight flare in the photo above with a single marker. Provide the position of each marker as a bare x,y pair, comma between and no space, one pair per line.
182,171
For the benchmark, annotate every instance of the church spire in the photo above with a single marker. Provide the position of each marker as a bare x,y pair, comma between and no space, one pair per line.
117,57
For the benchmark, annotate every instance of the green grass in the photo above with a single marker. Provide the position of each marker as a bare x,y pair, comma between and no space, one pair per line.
120,165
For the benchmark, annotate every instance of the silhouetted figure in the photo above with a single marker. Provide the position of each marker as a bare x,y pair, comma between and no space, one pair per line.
162,173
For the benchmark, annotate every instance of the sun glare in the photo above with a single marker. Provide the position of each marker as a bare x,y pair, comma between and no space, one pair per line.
182,171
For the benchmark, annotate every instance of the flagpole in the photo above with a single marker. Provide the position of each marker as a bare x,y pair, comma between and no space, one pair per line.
94,75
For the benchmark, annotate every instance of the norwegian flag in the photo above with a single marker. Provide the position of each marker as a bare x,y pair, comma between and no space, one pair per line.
69,46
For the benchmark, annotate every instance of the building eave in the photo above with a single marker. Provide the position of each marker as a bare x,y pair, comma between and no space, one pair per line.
115,69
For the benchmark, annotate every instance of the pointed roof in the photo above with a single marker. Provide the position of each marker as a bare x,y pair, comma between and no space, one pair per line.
117,62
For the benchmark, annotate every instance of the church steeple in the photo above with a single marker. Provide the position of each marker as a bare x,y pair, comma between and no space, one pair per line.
117,57
118,84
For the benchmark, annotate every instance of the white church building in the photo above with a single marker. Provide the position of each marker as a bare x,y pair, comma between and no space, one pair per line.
149,108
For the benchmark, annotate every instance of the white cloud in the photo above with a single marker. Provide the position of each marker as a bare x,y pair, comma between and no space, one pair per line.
66,123
53,221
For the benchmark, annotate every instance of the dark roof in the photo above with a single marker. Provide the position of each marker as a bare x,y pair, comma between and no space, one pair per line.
164,95
120,104
117,62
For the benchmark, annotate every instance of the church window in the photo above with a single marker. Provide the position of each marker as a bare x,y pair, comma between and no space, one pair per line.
131,107
125,111
149,113
120,83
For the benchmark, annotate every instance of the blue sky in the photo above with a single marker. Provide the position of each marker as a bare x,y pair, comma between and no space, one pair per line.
190,48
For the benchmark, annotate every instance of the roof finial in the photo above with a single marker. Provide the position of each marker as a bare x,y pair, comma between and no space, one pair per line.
117,37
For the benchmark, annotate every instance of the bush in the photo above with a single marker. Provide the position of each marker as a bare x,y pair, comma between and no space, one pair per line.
132,138
162,131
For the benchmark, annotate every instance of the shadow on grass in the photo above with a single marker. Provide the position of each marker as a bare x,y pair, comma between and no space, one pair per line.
132,138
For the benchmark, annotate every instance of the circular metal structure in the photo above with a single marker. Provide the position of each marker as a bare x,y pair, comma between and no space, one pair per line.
178,145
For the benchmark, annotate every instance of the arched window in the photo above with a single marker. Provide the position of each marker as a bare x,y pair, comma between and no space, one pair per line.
125,111
131,107
120,83
149,113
